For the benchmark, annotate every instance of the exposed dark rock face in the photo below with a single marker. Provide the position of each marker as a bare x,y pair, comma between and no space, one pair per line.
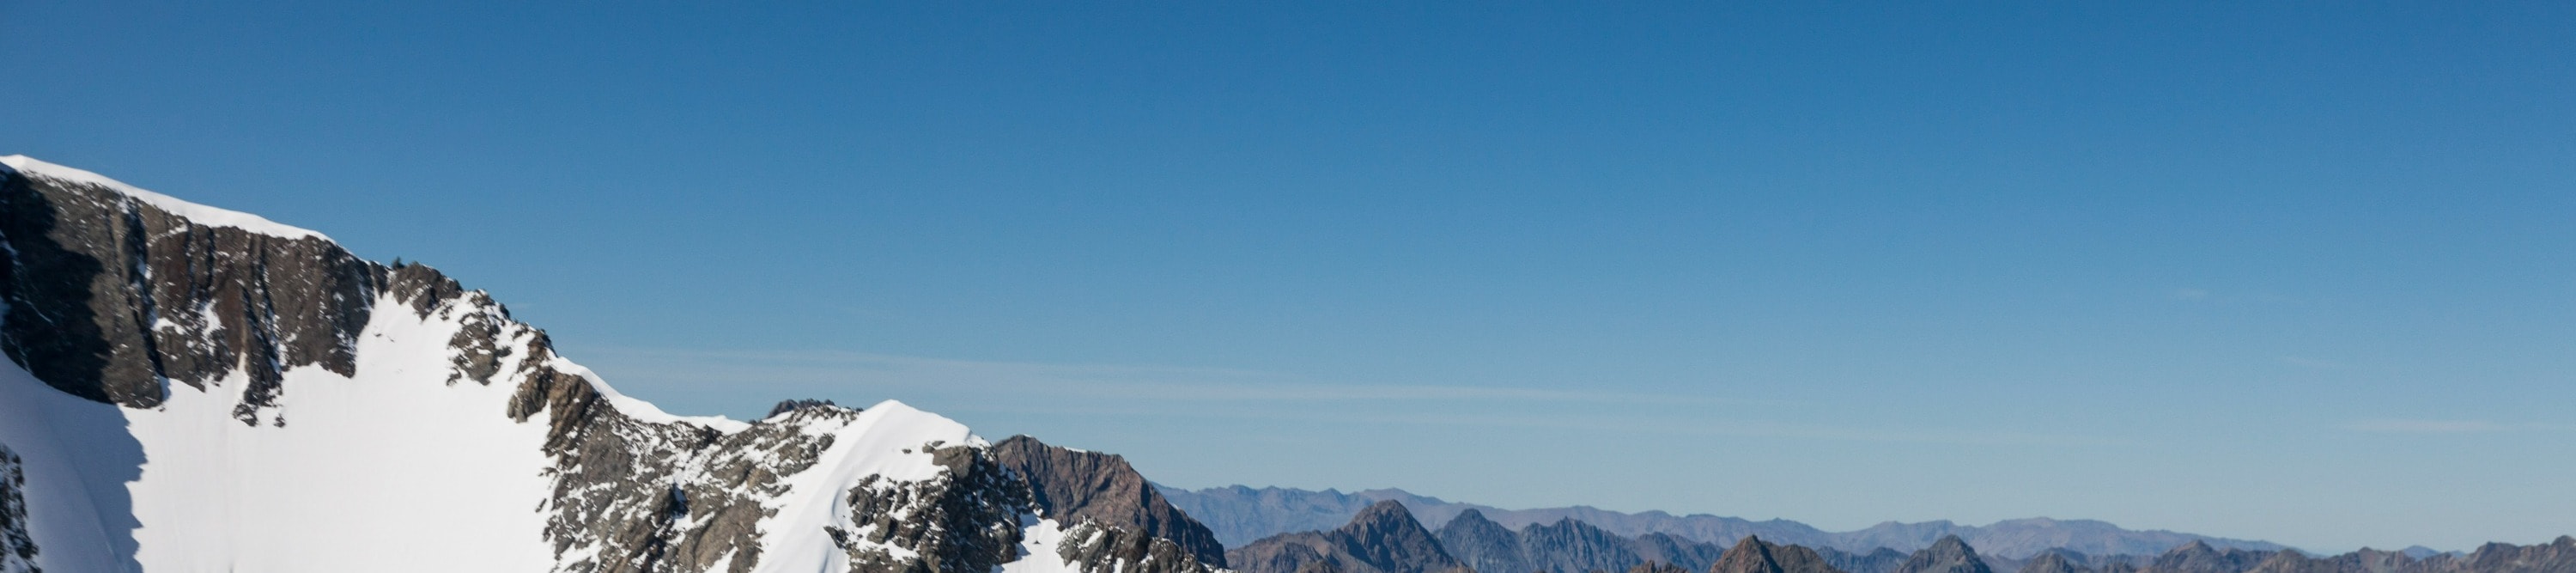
785,406
108,296
966,524
17,548
1384,538
1657,567
1077,486
2197,557
1123,549
1753,555
1882,560
1948,555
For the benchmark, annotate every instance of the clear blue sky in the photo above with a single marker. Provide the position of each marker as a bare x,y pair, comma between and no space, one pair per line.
2295,271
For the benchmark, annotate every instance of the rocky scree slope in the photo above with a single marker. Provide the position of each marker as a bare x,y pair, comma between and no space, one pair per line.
190,388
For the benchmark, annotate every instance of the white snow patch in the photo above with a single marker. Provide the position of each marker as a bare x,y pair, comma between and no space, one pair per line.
1038,543
639,409
390,469
887,440
201,214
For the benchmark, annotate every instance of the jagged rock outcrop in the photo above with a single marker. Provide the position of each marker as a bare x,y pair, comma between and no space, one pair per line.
1384,538
964,524
1753,555
1074,486
1122,549
17,549
130,316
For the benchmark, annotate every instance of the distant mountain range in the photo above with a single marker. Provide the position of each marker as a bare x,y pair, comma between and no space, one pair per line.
1383,537
1240,515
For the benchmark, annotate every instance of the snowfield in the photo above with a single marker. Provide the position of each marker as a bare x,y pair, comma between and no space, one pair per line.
397,467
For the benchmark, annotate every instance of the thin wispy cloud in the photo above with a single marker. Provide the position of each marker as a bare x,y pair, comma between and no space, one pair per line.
1091,380
2403,426
1230,394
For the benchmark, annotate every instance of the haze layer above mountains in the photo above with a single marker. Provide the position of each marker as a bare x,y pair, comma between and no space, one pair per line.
1241,514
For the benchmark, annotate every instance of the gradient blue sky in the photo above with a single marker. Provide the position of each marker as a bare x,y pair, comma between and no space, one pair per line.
2295,271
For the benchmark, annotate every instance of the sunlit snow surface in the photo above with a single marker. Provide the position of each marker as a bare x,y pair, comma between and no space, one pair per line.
391,469
201,214
1038,543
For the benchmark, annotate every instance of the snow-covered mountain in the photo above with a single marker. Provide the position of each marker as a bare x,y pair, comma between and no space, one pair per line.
194,389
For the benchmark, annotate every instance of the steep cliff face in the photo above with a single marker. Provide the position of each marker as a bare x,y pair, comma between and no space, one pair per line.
301,409
1075,486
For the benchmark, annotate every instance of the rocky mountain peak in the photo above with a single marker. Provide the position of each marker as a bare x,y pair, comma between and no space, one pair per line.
2200,557
2052,562
1947,555
1382,538
267,370
1073,486
1752,555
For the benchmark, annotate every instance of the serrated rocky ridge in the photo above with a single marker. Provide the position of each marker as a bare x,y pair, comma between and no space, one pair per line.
1567,546
116,298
